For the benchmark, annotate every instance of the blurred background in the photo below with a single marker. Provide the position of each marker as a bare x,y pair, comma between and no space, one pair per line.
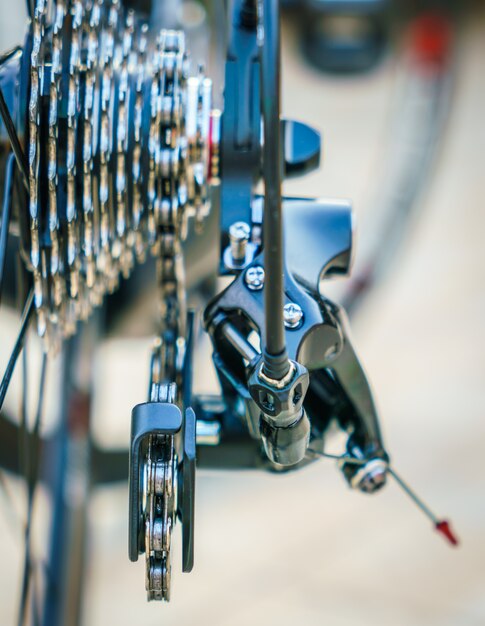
397,90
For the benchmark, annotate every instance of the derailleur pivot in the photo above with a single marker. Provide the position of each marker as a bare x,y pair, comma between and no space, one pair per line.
284,425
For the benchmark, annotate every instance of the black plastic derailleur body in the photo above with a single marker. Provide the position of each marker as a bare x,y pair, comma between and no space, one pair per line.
318,244
316,337
153,419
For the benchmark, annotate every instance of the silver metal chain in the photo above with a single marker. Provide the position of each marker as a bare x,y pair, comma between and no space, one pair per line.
160,485
159,515
170,169
165,212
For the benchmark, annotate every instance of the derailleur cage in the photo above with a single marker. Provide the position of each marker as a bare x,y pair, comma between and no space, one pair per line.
161,488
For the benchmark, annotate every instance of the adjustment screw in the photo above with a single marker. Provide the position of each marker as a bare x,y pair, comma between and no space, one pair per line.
293,315
239,236
254,278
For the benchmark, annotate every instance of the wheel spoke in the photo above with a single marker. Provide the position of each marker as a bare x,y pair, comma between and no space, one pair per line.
24,324
25,588
30,443
14,140
34,440
6,214
30,11
23,438
36,607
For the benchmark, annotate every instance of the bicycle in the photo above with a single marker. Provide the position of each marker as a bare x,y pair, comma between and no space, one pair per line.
121,147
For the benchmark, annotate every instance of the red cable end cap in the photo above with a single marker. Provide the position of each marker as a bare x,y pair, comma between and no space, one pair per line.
444,528
431,38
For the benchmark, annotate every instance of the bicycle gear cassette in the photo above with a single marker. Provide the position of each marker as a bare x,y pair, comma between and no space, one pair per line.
117,137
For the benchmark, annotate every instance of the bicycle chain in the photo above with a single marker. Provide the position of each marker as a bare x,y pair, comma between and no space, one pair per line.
125,160
160,491
165,371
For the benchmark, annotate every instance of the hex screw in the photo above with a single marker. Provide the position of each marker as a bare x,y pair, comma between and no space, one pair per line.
254,278
293,315
239,236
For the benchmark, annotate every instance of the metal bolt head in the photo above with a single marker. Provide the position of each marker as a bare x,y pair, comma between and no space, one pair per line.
239,235
293,315
239,231
254,278
371,476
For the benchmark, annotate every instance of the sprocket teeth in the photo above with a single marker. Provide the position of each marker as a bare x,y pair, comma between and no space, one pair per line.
111,164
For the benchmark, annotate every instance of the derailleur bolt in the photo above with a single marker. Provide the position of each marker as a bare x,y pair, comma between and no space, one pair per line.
293,315
239,235
254,278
